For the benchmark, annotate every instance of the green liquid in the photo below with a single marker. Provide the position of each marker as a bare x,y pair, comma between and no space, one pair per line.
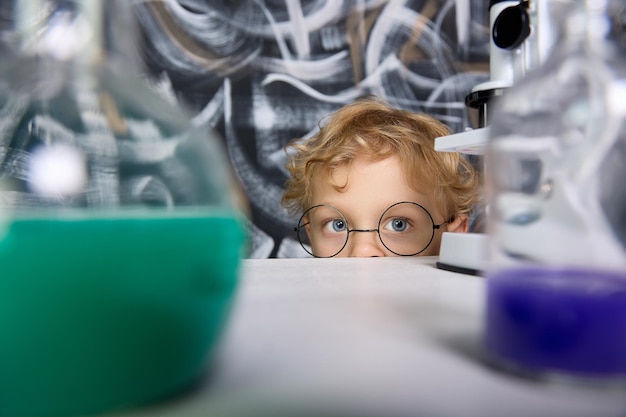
102,313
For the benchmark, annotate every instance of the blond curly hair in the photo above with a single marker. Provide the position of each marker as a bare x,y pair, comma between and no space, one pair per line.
373,129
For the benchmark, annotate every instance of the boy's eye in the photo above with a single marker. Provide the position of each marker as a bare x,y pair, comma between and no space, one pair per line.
337,225
397,225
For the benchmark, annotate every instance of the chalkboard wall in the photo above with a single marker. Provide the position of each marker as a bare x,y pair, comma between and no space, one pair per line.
261,72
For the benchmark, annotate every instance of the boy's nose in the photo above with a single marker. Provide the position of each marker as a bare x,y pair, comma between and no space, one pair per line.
365,245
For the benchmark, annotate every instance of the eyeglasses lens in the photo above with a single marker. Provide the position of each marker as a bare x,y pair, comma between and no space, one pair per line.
325,226
406,229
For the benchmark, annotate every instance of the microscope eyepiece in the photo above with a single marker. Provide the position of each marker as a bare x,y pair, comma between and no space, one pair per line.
511,27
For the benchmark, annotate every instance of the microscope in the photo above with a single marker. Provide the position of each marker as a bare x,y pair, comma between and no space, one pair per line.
521,35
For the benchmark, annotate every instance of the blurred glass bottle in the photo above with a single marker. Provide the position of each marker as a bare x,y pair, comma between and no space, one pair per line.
557,203
120,220
69,88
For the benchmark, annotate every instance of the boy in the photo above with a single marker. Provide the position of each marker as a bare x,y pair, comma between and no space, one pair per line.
370,183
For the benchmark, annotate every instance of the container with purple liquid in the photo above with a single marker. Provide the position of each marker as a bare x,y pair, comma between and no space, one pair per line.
555,321
556,274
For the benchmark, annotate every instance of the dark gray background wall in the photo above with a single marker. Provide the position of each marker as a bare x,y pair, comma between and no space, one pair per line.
263,72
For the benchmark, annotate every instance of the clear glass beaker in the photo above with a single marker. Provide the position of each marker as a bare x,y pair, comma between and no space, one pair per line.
120,230
556,280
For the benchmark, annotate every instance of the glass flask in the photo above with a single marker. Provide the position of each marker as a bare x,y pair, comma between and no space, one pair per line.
120,222
556,280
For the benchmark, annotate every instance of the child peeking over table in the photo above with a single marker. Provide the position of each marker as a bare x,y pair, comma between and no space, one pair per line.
370,183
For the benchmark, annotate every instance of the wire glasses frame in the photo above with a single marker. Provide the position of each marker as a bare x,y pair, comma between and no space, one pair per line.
404,228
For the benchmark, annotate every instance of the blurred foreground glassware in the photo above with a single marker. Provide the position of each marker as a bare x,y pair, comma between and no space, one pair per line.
120,226
556,302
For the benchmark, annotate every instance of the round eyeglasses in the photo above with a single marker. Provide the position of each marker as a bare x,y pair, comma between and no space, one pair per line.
405,229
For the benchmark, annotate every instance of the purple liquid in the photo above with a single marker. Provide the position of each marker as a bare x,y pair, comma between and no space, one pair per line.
567,320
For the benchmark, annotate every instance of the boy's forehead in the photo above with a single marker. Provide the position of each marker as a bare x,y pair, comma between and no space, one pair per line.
369,182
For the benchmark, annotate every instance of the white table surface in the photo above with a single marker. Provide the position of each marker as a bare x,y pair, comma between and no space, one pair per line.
366,337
